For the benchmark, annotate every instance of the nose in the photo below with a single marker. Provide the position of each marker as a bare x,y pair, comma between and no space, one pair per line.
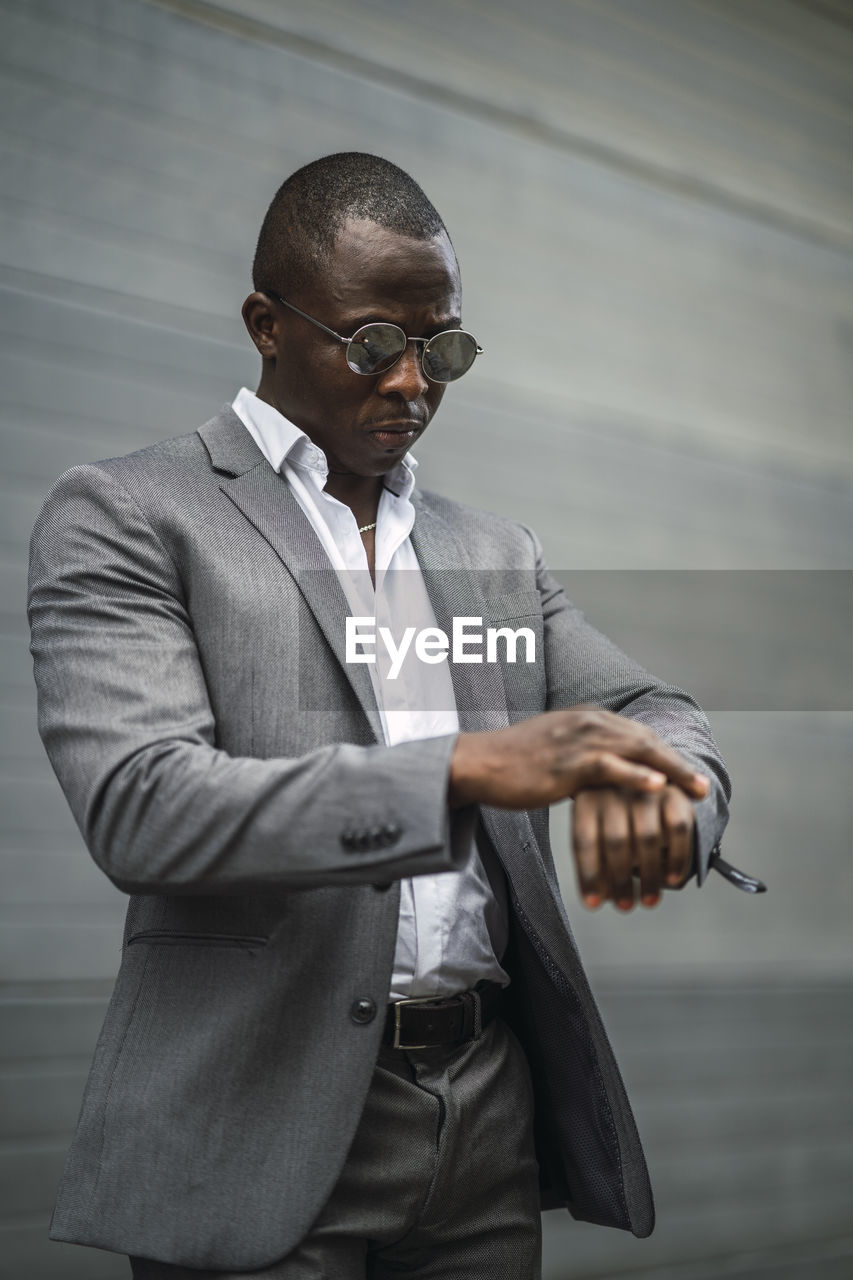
406,378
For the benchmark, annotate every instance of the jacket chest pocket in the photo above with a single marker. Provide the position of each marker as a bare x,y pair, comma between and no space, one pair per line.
516,619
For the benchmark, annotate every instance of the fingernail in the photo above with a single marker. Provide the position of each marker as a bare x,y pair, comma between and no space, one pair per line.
657,778
673,880
702,781
592,900
651,899
624,904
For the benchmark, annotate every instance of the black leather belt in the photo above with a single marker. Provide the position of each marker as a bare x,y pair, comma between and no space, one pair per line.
429,1022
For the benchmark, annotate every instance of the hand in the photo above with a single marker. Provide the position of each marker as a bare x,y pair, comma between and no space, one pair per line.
555,755
618,834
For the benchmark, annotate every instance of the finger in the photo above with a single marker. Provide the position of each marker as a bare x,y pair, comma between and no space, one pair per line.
658,755
586,847
678,822
604,769
618,853
647,841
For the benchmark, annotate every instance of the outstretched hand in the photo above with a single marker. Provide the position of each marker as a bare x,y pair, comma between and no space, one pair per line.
555,755
633,823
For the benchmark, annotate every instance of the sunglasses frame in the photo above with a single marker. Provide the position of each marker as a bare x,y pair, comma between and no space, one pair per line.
349,341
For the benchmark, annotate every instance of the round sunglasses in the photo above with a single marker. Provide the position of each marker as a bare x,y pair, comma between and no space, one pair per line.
375,348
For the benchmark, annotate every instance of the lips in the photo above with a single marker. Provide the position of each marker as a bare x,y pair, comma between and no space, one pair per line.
397,432
397,424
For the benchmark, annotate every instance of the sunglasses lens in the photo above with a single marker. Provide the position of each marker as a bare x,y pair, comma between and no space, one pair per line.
375,347
448,355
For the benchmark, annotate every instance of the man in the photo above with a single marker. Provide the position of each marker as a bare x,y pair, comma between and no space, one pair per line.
345,922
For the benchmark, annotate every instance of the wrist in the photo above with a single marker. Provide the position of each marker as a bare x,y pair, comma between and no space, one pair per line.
462,778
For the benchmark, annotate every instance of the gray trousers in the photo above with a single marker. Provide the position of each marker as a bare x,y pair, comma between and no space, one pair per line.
440,1183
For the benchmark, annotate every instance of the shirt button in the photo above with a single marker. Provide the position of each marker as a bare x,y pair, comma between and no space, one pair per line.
363,1010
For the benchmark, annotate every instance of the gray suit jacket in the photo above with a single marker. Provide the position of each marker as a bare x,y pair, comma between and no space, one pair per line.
226,769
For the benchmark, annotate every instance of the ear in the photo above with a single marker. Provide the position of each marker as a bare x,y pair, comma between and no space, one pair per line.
261,321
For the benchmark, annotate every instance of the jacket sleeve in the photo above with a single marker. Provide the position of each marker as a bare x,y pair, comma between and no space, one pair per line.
125,718
582,665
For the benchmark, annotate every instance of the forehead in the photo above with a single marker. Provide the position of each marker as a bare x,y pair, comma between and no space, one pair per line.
374,268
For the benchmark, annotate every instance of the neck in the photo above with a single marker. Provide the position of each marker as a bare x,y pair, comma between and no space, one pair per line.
360,493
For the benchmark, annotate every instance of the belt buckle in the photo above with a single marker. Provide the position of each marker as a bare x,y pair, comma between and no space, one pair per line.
396,1043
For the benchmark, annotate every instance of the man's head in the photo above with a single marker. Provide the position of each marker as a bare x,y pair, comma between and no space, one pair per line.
298,234
350,239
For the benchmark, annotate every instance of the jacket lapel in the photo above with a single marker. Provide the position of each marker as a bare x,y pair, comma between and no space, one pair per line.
454,591
265,499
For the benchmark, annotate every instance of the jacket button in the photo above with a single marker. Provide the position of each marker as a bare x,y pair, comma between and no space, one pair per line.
363,1010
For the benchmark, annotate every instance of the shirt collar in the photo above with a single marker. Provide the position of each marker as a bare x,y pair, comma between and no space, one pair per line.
281,441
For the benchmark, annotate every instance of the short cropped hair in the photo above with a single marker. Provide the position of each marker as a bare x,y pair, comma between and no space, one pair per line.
310,207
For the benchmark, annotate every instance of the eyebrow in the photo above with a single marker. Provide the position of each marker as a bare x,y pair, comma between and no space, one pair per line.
358,322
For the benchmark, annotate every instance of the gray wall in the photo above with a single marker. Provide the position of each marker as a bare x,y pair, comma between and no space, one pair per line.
652,201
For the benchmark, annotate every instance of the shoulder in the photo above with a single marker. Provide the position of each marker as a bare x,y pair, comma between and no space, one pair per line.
142,503
157,476
176,456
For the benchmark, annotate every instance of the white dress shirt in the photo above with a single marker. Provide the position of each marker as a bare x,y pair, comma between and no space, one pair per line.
453,926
